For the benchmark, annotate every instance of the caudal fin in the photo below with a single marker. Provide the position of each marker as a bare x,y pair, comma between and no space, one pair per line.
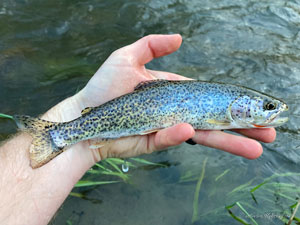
42,148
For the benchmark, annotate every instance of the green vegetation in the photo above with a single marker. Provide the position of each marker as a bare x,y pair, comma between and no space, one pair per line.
222,175
84,183
244,211
5,116
246,197
272,200
109,172
197,191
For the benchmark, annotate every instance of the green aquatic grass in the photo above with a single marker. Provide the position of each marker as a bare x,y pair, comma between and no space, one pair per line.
237,218
189,176
108,170
244,211
255,200
85,183
146,162
241,195
293,216
272,177
197,192
5,116
114,165
288,192
247,187
69,222
278,193
241,187
78,195
123,176
222,175
65,68
99,166
111,168
118,161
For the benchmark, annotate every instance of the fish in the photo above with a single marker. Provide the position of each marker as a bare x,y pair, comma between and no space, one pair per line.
154,105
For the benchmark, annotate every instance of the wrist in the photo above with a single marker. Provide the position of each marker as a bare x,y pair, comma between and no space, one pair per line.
67,110
25,191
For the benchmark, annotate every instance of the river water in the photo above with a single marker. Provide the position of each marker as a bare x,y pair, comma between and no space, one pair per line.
50,49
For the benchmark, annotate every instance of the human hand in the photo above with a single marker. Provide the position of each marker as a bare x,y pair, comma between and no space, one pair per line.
121,72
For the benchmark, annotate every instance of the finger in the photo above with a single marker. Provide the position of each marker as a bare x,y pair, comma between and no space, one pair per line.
167,75
152,46
170,136
233,144
267,135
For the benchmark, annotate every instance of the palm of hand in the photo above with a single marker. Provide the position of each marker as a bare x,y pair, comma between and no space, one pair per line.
124,69
121,72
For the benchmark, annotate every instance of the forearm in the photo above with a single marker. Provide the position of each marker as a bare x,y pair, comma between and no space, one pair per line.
25,193
32,196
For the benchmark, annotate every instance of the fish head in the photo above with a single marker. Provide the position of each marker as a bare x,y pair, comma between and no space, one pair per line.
258,111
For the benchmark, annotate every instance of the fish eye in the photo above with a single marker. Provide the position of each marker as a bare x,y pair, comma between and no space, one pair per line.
270,106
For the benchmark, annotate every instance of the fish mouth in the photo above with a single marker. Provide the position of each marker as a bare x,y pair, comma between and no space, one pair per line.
276,119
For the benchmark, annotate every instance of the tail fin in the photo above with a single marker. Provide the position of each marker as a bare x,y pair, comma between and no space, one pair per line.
42,148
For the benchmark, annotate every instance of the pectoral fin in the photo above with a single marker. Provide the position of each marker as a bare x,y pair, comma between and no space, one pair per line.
149,131
218,122
258,126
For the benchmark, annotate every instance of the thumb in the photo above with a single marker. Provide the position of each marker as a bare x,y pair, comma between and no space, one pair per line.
150,47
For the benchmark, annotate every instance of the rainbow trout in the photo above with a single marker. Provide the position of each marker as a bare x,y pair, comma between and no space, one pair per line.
154,105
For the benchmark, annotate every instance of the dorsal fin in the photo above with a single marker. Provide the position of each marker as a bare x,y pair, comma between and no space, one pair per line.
86,110
149,83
